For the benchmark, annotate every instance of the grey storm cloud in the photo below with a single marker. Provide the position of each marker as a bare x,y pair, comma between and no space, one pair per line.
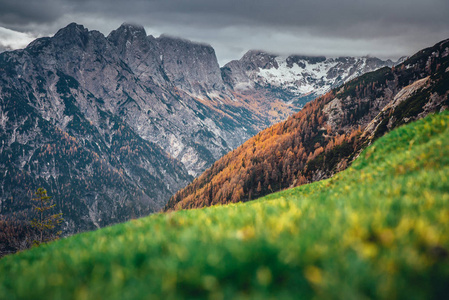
23,13
329,27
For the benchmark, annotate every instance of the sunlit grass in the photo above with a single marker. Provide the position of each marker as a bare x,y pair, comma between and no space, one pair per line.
377,230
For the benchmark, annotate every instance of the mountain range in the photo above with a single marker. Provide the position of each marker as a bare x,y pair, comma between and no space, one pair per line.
112,126
295,79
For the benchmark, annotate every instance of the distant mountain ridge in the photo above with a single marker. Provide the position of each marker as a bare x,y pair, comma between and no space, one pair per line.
296,79
112,126
325,136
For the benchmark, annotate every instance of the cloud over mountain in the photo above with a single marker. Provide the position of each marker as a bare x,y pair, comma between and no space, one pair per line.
323,27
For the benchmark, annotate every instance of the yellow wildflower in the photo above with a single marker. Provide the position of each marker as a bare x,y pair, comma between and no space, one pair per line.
313,274
246,233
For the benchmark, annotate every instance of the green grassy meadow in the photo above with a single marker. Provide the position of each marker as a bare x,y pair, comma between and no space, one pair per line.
379,230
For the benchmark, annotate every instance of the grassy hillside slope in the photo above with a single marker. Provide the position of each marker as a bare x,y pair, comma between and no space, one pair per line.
380,229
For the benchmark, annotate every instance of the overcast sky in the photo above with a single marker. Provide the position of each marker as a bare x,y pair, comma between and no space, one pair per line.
383,28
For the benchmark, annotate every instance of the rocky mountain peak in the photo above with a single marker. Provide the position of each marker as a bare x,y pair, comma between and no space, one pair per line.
72,38
72,34
132,28
191,66
139,51
127,32
260,59
72,28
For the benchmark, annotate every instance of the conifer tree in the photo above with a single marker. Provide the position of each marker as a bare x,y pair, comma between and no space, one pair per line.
45,222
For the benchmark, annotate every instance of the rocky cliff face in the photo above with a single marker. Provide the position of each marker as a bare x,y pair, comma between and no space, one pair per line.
192,67
112,126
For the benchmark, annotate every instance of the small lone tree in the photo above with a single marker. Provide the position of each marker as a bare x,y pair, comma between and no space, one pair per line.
45,222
